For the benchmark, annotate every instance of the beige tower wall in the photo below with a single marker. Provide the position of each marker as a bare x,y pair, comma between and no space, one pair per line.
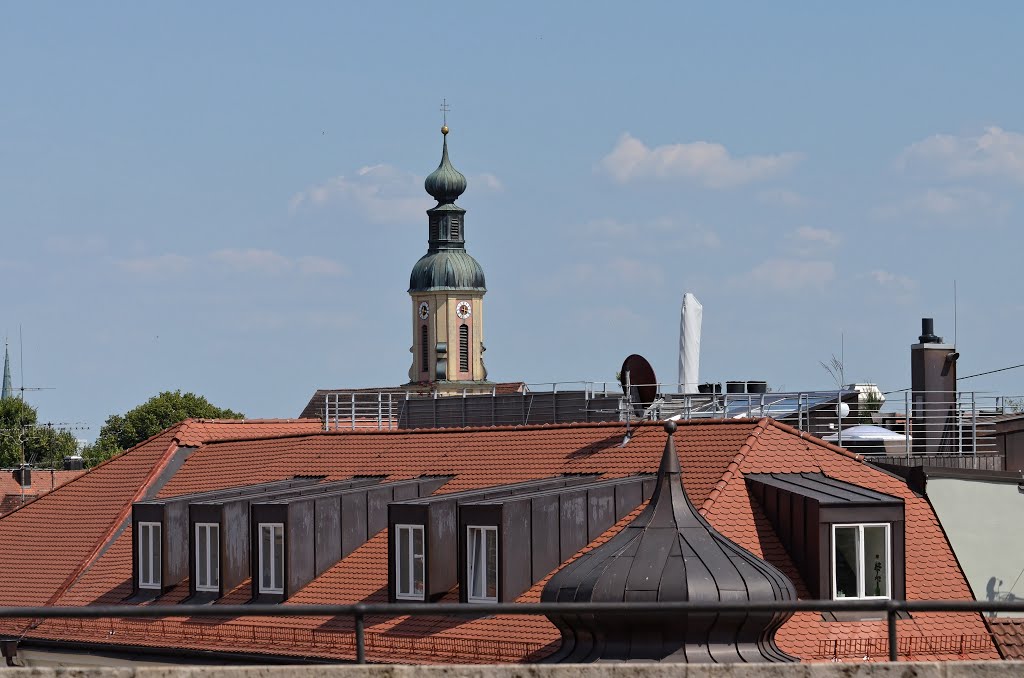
443,327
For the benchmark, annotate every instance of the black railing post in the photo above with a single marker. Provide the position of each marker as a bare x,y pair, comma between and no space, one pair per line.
357,612
890,615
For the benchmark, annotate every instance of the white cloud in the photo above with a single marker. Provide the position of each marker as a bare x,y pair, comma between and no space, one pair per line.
251,260
669,233
163,264
486,181
702,162
75,245
320,266
380,194
821,237
239,261
782,198
889,280
791,274
945,203
994,153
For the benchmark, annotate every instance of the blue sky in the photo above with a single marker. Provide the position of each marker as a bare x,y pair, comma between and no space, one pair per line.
227,198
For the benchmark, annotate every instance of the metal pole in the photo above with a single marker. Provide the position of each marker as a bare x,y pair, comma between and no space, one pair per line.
380,422
974,425
360,636
906,422
353,404
891,620
839,418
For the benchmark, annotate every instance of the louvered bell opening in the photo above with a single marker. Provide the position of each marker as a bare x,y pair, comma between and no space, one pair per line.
464,348
456,228
424,354
435,228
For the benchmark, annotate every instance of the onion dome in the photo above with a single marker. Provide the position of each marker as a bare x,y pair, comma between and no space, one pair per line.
445,183
447,270
669,553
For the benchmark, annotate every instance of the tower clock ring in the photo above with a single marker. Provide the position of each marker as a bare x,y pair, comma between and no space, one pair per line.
463,309
424,310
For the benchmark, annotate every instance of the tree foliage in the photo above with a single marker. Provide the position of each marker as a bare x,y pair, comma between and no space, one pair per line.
24,439
122,431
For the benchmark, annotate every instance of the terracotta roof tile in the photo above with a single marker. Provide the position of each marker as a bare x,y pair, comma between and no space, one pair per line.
714,457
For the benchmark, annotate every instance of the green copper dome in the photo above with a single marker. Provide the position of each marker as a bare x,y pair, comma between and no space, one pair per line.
445,183
447,270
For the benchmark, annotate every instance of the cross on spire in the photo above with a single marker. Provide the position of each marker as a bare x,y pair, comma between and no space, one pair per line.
444,112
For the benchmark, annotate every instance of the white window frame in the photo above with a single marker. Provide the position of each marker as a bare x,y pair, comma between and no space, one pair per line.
405,586
147,531
275,586
861,574
471,565
211,556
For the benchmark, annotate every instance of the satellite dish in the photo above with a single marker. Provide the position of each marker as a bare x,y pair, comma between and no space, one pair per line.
643,385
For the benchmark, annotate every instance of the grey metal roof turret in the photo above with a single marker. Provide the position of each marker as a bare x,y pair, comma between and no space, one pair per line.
446,265
669,553
445,183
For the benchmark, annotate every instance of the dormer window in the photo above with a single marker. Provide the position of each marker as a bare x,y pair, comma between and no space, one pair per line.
482,564
861,561
149,555
409,561
848,541
271,558
207,557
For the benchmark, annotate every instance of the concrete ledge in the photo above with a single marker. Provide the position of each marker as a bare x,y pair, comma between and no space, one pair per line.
990,669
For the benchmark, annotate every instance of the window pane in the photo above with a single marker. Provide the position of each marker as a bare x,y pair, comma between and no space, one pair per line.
266,554
474,551
845,554
876,561
144,555
201,555
278,557
402,562
215,555
417,561
155,531
492,563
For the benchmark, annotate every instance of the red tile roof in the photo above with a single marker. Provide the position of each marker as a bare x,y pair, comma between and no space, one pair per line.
1009,635
714,458
12,496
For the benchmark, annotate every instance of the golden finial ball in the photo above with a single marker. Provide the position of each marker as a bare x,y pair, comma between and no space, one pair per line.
444,129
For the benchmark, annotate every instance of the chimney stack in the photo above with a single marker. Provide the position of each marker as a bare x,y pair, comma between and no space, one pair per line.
933,391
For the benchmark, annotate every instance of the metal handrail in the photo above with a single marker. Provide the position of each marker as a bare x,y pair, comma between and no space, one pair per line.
360,611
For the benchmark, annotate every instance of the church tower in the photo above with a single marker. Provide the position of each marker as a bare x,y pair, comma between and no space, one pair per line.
447,290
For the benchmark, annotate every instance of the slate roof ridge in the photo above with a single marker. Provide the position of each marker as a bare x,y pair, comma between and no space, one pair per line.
734,465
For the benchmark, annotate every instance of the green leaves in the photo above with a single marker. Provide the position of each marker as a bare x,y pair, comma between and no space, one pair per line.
20,433
121,432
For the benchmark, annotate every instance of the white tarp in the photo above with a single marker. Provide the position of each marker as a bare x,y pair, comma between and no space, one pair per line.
689,343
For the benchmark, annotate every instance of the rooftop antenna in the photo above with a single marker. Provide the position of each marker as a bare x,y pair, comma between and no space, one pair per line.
954,316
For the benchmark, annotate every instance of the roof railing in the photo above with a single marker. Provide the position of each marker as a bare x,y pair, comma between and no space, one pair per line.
358,613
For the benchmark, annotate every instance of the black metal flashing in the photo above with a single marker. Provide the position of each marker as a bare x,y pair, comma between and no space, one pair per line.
669,553
824,490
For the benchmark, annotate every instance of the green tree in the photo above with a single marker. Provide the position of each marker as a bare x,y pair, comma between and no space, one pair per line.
122,431
23,438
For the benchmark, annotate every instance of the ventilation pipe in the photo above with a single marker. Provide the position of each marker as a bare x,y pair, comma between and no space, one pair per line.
689,343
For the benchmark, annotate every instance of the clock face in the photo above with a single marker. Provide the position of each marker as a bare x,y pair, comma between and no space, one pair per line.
424,310
463,309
